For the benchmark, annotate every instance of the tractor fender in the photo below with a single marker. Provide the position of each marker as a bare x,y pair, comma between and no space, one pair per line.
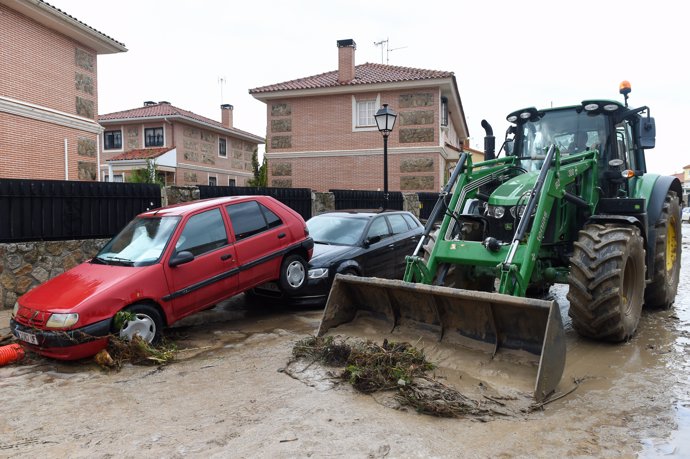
655,203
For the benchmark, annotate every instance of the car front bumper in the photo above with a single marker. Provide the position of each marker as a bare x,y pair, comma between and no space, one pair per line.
64,344
315,293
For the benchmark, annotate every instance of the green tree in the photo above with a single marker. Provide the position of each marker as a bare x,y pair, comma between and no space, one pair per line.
260,172
148,174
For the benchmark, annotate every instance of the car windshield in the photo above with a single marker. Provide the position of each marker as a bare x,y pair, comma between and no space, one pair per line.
140,243
570,131
334,229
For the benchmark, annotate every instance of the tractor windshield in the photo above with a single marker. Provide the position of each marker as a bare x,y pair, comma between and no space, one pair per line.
571,131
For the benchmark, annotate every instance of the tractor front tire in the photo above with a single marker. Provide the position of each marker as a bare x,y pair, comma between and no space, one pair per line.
661,292
607,281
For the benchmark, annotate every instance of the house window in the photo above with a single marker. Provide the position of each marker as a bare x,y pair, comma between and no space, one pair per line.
444,111
212,181
153,137
112,140
366,109
222,148
232,182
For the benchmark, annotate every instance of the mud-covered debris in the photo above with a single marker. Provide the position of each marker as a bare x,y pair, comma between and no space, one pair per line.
137,352
400,367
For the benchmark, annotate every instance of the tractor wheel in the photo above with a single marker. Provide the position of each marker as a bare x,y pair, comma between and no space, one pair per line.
607,278
458,276
661,292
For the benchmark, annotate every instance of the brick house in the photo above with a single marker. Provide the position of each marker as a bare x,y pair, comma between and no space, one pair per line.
322,134
49,92
188,149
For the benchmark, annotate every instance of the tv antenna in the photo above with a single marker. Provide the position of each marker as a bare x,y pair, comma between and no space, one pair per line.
221,82
385,45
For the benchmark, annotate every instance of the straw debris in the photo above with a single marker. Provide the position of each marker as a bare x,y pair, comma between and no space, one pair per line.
391,366
137,352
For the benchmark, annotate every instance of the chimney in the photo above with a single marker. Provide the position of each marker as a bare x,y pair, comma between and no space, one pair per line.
226,115
149,103
346,60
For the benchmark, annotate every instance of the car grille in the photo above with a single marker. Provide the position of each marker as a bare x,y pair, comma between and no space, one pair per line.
31,317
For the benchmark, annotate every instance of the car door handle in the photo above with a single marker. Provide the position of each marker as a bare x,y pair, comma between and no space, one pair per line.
281,235
227,256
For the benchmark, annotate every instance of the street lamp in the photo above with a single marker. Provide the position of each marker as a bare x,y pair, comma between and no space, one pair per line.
385,120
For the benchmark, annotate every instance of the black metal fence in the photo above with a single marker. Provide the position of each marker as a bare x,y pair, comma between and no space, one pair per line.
57,210
427,201
361,199
298,199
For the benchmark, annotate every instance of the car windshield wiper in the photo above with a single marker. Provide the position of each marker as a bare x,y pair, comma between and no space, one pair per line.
322,242
99,260
118,260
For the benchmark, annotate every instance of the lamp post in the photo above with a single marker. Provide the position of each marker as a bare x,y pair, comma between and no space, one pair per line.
385,120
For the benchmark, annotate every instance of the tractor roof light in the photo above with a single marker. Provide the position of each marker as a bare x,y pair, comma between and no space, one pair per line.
591,107
610,107
523,115
624,88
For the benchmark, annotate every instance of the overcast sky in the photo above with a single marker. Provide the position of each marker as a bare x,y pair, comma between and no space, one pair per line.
505,55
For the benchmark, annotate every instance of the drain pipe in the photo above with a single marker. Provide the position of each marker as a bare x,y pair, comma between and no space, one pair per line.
66,161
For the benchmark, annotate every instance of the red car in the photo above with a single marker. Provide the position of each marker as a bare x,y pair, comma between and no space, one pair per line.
164,265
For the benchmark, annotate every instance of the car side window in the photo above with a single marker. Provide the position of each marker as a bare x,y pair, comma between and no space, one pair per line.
378,227
248,218
411,221
271,219
397,223
202,233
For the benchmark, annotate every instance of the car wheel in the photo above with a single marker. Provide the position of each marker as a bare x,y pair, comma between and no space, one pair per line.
350,272
293,274
144,320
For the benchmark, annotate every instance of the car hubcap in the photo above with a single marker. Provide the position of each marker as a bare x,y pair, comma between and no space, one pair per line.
295,274
141,325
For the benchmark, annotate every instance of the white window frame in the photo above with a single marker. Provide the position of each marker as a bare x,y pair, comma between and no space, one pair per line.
215,177
143,136
122,140
226,147
355,112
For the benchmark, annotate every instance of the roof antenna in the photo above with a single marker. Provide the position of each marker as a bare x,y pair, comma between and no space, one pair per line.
387,48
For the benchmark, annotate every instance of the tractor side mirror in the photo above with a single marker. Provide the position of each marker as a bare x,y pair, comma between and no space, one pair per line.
647,133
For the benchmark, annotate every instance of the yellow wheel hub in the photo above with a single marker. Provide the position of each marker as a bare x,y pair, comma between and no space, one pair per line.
671,245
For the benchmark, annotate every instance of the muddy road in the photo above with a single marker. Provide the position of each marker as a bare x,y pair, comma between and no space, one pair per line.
230,394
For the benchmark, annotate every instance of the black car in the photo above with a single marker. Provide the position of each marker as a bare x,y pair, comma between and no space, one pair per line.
370,244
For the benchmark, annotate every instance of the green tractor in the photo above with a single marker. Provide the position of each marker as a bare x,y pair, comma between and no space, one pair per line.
569,202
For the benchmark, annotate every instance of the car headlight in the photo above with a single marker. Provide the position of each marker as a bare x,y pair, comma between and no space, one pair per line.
495,211
15,310
62,320
318,273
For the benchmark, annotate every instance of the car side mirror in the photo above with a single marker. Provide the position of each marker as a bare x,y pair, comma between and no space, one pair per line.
371,240
180,258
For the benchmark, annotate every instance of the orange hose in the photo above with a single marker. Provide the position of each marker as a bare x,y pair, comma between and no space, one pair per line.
10,353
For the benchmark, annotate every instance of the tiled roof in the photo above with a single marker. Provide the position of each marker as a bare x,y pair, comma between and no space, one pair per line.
364,74
142,153
163,109
82,23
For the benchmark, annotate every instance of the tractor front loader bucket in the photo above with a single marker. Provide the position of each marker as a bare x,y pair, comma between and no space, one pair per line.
479,321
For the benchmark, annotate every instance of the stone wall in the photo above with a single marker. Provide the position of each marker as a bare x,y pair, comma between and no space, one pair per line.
24,265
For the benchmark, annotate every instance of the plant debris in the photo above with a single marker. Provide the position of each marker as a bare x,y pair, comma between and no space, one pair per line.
137,352
401,367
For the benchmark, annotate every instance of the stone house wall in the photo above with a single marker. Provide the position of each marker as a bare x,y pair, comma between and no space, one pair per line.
348,157
25,265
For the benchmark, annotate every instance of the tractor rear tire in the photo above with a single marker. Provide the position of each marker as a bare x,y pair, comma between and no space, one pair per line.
607,280
661,292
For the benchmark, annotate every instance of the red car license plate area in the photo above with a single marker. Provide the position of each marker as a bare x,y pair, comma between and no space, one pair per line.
28,337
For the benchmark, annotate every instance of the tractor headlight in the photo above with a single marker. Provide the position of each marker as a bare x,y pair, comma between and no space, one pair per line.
62,320
495,211
517,211
318,273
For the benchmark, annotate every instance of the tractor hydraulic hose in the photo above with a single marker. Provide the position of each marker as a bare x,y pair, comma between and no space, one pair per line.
531,204
440,203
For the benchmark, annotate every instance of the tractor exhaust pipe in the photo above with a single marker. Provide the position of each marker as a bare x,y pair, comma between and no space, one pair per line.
489,141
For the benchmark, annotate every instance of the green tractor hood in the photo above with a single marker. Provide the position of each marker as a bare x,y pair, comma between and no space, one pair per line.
514,190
